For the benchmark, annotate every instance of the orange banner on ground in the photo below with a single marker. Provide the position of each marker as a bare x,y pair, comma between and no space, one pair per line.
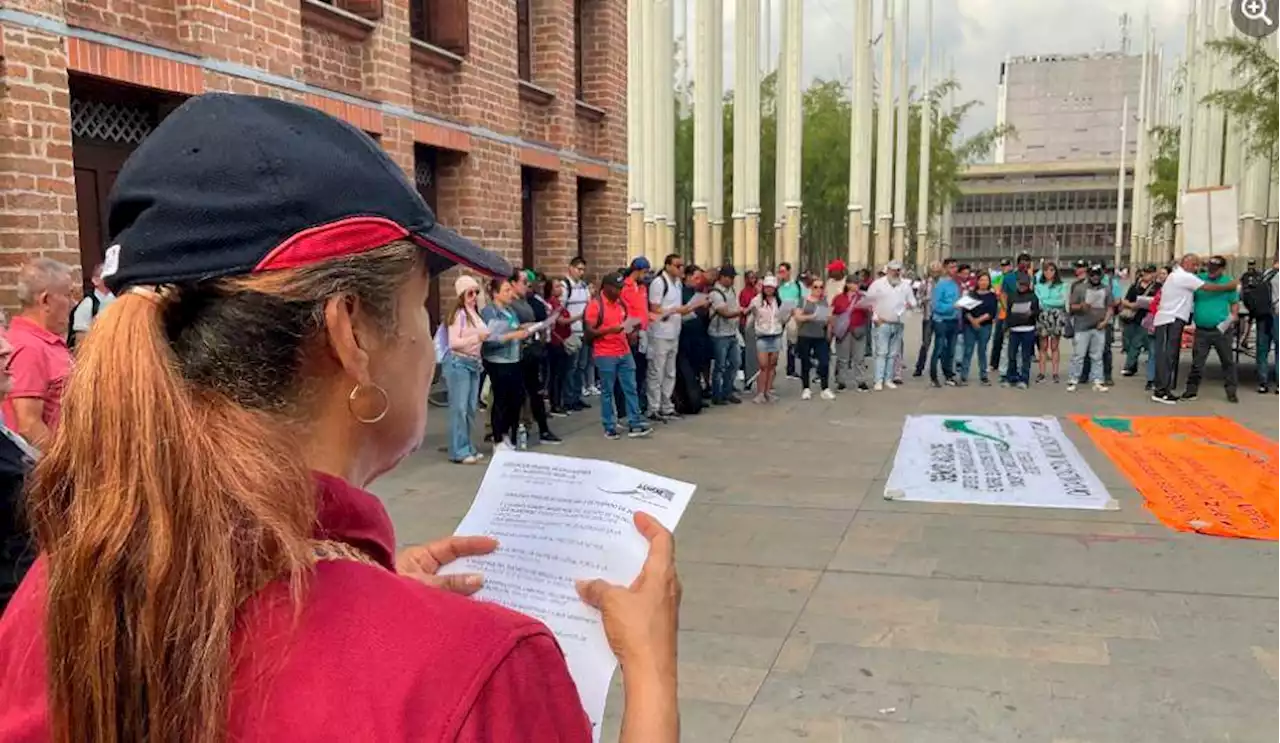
1208,475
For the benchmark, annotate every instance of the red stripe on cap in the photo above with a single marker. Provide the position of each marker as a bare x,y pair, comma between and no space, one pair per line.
349,236
452,256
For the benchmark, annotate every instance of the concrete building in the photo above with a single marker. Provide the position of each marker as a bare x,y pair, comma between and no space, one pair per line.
1062,211
518,145
1067,108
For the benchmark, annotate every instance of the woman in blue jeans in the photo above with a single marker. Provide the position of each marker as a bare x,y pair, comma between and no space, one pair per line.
461,368
977,324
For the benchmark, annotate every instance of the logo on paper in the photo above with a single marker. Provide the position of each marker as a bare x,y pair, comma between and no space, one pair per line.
965,427
644,488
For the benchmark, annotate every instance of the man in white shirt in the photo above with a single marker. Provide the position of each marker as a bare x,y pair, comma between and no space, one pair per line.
90,307
890,297
1177,299
576,296
665,304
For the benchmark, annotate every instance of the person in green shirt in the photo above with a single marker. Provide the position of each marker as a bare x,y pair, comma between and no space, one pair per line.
789,292
1216,316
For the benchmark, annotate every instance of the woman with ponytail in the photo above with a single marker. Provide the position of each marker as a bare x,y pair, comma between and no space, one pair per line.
211,567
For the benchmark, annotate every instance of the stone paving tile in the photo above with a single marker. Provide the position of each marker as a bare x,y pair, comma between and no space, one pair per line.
816,611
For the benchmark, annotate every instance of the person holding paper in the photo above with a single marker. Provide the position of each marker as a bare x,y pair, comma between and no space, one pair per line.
814,339
1133,313
211,567
725,311
978,319
890,297
501,354
466,332
1090,306
769,319
946,326
849,330
606,324
667,306
1216,316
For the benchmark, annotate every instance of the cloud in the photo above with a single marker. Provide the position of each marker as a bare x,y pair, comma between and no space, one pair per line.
975,35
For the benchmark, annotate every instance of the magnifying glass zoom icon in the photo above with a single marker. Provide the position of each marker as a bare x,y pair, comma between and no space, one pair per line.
1255,10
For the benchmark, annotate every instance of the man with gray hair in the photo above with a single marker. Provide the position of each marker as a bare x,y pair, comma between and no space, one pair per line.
41,361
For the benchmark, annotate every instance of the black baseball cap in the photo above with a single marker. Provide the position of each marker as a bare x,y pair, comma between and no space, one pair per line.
1024,257
728,271
1217,261
231,185
1082,263
612,279
1006,262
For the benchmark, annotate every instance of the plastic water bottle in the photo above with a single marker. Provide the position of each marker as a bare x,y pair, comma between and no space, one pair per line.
522,437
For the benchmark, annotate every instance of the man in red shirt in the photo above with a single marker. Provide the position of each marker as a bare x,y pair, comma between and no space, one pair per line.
41,362
608,322
750,366
635,297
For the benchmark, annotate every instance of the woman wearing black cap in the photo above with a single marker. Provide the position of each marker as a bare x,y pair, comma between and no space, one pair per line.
212,568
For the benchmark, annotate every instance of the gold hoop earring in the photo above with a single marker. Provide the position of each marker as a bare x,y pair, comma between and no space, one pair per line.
351,400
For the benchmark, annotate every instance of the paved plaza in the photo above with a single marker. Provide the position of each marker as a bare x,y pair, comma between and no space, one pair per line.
816,611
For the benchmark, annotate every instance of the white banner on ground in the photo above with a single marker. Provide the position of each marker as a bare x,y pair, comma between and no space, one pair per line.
993,460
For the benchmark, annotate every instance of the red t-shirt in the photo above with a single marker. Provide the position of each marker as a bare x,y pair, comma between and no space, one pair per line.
840,306
615,344
373,657
38,368
636,298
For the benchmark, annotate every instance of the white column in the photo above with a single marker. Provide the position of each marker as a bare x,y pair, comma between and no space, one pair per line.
793,31
884,142
667,112
903,129
1124,149
746,130
1140,164
637,167
649,140
925,180
1186,129
703,136
857,155
716,211
1220,77
1200,154
866,136
780,151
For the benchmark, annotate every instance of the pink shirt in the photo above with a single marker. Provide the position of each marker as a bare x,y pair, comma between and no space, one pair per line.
39,369
464,334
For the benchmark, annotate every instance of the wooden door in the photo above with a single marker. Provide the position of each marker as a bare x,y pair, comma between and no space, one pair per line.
96,166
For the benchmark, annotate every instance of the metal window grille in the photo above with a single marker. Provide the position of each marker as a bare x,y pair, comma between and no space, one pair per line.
423,174
110,122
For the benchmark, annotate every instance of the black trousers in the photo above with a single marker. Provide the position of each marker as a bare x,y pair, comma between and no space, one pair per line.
807,349
531,374
1219,342
926,335
507,381
997,344
558,362
1168,349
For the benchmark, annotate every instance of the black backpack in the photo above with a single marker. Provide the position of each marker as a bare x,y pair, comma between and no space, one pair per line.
94,305
1256,295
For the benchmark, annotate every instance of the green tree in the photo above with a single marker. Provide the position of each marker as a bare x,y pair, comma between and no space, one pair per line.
825,165
1254,102
1163,186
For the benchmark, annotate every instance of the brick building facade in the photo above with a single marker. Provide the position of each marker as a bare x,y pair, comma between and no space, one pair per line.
509,114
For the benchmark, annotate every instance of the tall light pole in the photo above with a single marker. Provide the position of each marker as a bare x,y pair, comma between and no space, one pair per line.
1187,131
924,253
1140,165
1124,147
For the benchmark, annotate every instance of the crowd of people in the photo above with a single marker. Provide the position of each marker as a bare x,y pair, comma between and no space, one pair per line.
659,343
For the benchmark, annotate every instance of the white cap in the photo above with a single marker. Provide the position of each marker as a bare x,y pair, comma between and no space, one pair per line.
894,266
770,280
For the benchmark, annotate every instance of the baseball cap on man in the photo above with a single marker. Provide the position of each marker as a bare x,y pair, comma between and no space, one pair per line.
640,263
231,185
614,280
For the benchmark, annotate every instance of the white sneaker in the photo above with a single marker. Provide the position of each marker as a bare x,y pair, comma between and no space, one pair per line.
879,387
828,395
1099,387
1071,386
806,394
502,446
890,385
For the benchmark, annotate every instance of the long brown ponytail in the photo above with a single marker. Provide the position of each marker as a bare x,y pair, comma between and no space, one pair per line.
175,488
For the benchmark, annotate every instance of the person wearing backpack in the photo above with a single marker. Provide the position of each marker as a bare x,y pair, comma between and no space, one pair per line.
89,308
606,325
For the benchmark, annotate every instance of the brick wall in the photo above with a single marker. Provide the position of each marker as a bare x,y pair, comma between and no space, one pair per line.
479,119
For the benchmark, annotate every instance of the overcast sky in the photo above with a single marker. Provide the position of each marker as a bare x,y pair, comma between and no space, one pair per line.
974,34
